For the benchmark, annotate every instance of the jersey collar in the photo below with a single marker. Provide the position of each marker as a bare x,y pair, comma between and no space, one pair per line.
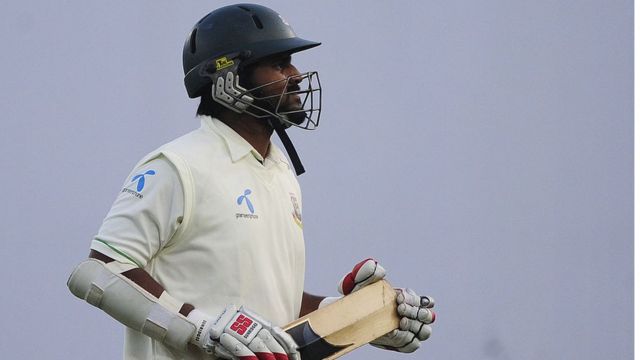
237,146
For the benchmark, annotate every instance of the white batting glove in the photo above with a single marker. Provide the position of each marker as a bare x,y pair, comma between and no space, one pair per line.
415,316
238,333
364,273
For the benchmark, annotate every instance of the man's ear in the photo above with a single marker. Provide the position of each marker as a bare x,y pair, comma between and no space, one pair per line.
246,75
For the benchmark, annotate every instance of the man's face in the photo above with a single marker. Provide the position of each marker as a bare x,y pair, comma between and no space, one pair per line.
275,70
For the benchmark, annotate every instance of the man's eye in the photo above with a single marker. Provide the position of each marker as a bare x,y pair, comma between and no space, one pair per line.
282,64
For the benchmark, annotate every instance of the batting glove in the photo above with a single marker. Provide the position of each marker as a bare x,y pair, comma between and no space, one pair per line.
238,333
416,314
364,273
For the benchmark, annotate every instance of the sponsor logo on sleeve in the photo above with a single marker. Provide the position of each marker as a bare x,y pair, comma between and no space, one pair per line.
139,182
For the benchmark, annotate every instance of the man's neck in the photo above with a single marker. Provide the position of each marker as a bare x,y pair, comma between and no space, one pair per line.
256,131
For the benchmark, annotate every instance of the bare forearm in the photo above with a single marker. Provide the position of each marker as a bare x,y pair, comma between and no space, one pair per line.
309,303
144,280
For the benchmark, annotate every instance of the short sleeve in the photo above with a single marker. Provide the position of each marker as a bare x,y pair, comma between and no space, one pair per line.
145,214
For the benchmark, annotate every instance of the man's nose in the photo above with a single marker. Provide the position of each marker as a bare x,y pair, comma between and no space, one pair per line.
294,74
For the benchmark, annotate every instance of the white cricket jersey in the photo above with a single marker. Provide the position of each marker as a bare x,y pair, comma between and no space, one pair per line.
215,224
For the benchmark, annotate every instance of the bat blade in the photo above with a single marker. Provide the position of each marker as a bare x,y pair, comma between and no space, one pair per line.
347,324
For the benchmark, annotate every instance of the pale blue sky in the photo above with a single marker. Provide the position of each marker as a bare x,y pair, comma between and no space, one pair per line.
481,150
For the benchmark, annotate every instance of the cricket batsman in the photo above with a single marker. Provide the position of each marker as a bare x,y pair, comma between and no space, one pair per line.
202,255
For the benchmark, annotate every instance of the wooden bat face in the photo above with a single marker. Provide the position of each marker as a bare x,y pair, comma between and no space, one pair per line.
347,324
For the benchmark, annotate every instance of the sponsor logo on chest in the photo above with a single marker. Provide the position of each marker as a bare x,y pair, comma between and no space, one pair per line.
244,203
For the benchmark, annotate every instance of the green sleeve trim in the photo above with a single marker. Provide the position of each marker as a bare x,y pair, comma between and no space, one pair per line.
120,252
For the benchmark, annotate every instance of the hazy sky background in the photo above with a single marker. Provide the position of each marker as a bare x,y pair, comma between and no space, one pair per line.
481,150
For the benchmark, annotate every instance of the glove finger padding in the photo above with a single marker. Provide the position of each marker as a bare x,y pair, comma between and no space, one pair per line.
286,342
416,316
398,340
407,296
216,348
278,351
413,346
237,349
364,273
426,316
427,302
243,334
328,301
421,330
260,348
410,347
414,306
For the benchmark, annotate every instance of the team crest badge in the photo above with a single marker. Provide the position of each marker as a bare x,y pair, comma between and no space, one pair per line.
297,215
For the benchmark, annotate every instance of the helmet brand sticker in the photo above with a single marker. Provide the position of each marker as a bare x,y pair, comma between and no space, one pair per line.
223,62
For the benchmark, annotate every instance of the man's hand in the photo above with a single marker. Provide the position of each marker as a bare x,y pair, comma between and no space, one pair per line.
415,311
364,273
416,315
238,333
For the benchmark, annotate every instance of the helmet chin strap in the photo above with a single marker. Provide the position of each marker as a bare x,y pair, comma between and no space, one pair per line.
288,145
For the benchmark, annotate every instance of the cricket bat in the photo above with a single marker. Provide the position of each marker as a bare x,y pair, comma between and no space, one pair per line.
347,324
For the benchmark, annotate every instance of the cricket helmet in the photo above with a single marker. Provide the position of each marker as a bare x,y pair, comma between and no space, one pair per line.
253,31
226,41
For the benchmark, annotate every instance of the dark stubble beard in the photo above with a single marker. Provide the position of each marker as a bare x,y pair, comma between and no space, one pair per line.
297,117
246,81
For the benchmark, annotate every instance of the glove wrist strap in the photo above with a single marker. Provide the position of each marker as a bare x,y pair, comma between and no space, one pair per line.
202,323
